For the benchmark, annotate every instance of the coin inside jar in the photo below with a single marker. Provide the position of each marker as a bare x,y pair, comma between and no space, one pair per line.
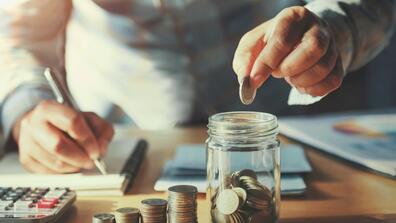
228,201
246,92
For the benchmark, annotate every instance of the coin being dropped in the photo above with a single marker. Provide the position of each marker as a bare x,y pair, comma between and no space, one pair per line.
246,92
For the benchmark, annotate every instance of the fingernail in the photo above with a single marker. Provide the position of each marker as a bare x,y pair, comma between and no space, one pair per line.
240,79
94,154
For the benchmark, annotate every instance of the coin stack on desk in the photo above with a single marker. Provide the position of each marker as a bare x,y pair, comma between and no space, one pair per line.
182,204
103,218
245,200
153,210
127,215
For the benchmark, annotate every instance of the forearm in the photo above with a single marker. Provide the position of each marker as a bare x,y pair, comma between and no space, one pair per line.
362,28
31,38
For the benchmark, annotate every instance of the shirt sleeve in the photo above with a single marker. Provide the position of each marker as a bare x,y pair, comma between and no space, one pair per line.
362,28
31,38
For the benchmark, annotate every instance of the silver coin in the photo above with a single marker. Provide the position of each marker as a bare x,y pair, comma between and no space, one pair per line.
184,189
153,210
248,172
241,194
154,202
103,218
128,210
228,201
182,204
246,92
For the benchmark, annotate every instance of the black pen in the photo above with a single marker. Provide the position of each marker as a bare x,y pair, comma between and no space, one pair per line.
63,97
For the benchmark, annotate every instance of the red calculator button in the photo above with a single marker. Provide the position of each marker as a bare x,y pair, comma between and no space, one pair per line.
44,204
52,200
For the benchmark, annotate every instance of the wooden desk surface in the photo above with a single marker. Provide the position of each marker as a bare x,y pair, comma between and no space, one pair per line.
337,190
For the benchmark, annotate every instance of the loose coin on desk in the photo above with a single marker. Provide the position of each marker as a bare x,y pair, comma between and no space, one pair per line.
246,92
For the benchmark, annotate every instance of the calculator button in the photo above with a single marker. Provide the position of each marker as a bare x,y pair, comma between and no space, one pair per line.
14,194
55,194
22,205
10,198
5,188
32,199
52,200
22,189
33,195
43,204
41,191
5,204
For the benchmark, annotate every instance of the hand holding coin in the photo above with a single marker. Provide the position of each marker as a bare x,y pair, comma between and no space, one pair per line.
295,45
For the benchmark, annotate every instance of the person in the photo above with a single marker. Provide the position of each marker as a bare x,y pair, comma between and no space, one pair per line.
166,63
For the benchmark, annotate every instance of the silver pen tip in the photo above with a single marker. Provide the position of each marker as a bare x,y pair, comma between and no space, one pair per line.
100,165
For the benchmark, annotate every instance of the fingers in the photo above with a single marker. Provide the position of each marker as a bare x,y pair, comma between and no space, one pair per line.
287,31
26,149
329,84
248,49
317,72
50,162
60,146
103,130
260,71
314,44
32,165
55,142
54,138
71,122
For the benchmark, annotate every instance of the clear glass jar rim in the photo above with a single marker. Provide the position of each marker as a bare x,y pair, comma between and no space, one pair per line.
243,118
242,128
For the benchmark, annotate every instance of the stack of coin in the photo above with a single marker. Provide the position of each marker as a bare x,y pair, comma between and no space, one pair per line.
127,215
182,207
103,218
246,198
153,210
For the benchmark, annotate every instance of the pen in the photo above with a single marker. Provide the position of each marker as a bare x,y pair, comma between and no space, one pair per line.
63,97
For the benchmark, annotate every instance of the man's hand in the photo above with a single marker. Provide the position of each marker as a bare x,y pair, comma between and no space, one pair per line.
295,45
54,138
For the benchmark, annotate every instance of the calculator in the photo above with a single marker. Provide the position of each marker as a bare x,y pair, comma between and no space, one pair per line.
34,205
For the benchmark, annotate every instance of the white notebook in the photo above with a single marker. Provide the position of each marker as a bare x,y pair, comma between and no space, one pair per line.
123,155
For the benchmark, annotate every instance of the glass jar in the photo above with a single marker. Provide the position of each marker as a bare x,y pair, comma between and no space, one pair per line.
243,167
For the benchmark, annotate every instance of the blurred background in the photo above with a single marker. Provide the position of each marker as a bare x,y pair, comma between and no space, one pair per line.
88,53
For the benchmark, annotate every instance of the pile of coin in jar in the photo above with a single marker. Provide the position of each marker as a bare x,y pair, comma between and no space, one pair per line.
244,201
